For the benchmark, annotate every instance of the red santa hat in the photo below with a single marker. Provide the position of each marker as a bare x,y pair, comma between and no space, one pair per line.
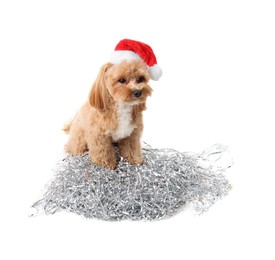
133,50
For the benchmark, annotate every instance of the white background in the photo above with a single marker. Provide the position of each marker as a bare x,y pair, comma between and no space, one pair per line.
218,64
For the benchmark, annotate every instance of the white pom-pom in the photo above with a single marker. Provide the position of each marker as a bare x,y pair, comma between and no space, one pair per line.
155,72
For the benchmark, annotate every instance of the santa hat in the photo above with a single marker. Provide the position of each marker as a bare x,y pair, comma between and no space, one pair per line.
133,50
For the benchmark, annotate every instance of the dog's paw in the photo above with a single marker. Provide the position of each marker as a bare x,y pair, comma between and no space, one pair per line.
133,157
107,164
111,166
135,161
75,150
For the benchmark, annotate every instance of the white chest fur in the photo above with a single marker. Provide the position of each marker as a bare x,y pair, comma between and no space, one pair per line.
125,126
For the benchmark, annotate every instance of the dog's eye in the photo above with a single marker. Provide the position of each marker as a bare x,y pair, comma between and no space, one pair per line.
140,79
122,81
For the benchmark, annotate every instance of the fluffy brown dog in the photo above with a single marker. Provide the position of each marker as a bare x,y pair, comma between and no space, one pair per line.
112,115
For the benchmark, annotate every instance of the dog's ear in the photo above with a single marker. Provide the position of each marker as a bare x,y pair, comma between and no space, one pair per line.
99,96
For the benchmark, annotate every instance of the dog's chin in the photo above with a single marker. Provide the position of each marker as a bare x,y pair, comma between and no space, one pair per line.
135,102
129,99
131,102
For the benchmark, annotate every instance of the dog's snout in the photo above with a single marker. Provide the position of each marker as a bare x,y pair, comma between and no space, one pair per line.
137,93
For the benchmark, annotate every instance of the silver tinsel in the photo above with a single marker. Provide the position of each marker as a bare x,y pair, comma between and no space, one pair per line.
167,182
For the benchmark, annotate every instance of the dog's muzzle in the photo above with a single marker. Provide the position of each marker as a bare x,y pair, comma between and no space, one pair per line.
137,93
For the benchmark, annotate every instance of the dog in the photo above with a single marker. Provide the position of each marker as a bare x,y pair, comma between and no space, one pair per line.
112,115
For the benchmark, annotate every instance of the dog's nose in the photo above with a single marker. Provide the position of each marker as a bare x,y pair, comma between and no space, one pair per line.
137,93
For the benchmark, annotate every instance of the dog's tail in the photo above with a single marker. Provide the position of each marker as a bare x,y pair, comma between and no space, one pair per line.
67,127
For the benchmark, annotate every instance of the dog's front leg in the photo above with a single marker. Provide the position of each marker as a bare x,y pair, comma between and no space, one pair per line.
102,151
130,147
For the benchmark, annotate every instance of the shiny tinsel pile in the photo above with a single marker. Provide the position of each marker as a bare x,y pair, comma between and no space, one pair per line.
166,182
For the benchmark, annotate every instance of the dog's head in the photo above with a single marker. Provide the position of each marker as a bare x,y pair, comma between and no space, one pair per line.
124,82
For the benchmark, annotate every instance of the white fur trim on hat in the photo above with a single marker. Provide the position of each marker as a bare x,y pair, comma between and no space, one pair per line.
119,56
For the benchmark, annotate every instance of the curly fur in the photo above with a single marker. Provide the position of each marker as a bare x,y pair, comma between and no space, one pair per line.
112,116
